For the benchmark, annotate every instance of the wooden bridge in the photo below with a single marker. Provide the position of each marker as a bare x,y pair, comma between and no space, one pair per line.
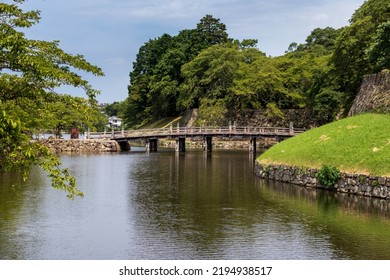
206,133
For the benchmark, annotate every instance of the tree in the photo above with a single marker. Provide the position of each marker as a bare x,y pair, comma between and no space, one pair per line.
326,105
349,59
139,101
211,31
209,75
67,112
157,72
18,153
379,51
258,83
229,78
115,109
325,37
30,71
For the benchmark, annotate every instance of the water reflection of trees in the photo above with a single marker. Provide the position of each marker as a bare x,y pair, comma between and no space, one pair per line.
195,203
12,191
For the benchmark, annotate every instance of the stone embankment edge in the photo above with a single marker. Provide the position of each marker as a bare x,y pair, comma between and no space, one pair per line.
81,146
358,184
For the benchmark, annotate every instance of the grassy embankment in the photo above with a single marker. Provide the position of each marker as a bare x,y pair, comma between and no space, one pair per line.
359,144
162,123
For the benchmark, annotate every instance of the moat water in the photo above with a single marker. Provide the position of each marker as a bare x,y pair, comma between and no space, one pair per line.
184,206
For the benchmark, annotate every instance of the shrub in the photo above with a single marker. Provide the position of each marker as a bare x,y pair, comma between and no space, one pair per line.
328,175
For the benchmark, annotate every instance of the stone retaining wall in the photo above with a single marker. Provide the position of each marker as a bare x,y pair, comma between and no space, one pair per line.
222,144
374,95
358,184
81,145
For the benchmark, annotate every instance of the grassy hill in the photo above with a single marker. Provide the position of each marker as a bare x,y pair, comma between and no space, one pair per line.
359,144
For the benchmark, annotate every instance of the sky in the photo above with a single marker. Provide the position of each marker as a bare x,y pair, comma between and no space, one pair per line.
109,33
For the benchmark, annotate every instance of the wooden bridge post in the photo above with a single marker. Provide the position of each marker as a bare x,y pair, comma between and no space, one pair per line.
181,144
208,144
291,128
252,146
151,145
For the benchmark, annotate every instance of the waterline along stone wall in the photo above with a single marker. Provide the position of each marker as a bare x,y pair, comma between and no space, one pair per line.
81,145
358,184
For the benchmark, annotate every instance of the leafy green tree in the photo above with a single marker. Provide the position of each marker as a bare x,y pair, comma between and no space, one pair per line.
325,37
209,76
232,77
18,153
258,82
349,59
30,71
248,43
67,112
115,109
326,105
379,51
212,112
157,77
164,84
211,31
139,101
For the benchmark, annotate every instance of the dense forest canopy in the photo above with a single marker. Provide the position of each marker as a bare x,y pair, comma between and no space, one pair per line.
205,69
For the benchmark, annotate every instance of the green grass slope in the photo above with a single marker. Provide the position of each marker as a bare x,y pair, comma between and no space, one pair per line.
162,123
359,144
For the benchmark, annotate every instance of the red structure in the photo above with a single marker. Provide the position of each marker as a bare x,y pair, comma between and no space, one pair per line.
74,133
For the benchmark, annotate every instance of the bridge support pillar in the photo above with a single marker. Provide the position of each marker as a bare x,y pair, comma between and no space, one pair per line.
151,145
252,146
208,144
181,144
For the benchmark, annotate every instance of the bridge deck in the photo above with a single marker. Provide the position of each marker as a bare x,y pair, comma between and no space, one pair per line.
199,132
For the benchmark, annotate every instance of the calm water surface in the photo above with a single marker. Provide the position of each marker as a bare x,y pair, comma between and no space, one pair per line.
184,206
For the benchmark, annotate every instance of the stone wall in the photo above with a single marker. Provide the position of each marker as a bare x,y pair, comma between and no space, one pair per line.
301,118
374,95
223,144
81,145
358,184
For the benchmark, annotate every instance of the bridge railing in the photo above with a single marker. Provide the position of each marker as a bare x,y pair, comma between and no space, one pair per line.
177,131
106,134
194,131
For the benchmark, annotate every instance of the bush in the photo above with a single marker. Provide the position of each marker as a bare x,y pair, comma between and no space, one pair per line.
328,176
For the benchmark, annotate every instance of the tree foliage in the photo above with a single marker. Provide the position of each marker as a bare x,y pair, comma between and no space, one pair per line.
156,76
379,51
30,73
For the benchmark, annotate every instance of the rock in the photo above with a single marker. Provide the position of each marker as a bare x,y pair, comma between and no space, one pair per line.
382,181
